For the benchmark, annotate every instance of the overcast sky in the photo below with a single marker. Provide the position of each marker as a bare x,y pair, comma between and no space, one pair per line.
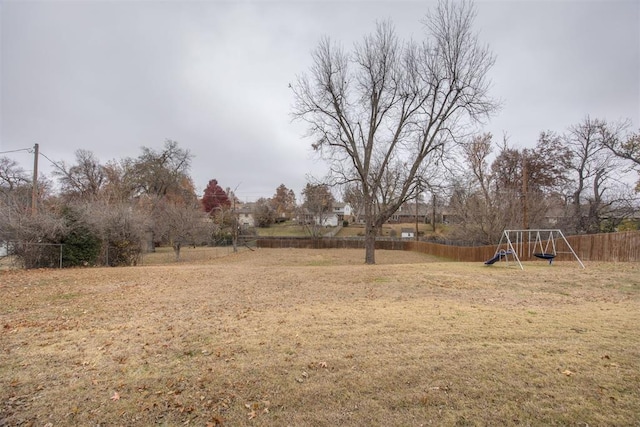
113,76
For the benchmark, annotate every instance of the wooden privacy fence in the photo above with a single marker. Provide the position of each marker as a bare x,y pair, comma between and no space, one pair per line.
328,243
453,253
615,247
623,247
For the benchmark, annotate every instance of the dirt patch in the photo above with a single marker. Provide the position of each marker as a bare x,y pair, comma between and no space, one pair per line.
314,337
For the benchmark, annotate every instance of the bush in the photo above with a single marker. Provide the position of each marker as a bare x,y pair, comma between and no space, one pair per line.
81,244
123,230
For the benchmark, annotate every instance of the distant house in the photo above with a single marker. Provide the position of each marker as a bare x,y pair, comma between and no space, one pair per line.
330,220
339,213
409,212
342,211
407,233
245,215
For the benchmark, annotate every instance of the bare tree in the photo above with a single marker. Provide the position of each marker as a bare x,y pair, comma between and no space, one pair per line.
12,175
122,228
515,190
84,180
594,167
318,203
162,173
15,185
179,224
475,198
31,235
385,112
352,195
264,213
155,179
524,179
627,148
476,153
15,201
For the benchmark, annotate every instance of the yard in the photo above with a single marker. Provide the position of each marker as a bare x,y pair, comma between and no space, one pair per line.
315,337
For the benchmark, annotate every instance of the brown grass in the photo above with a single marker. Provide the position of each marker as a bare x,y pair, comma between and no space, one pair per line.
314,337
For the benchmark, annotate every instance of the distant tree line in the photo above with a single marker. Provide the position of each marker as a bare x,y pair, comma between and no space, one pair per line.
570,181
110,213
103,213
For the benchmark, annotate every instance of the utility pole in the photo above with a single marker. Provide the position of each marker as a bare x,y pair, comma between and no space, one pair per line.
525,188
235,225
34,189
417,197
433,212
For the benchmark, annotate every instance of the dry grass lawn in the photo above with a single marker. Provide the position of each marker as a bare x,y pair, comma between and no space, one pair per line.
314,337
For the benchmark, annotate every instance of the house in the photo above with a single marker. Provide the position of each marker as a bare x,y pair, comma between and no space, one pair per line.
407,233
409,212
342,211
339,213
245,216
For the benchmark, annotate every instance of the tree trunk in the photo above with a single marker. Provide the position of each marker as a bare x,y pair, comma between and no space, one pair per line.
370,242
176,250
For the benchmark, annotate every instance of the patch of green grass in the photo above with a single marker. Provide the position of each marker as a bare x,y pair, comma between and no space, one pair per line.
285,229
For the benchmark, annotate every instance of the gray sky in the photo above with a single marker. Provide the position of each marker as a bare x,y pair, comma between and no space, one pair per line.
113,76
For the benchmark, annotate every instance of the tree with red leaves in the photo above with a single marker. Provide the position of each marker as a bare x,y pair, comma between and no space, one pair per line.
214,198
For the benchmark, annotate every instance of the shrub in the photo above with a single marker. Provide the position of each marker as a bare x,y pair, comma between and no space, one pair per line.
81,244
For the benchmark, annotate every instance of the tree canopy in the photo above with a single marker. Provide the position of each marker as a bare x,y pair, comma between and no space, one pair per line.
215,198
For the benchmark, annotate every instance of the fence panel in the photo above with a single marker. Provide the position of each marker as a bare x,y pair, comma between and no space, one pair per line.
616,247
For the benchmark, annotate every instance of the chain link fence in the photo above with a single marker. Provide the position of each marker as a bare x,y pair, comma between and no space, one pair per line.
28,255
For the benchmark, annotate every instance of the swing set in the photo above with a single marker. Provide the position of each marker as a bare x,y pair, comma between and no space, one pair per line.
521,244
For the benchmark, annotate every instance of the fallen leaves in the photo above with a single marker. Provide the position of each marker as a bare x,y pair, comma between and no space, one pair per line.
115,396
302,377
257,407
215,422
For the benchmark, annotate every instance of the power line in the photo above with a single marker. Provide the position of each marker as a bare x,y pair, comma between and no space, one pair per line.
15,151
52,162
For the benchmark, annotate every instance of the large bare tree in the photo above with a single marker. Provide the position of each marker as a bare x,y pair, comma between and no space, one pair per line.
84,179
481,213
627,147
384,112
595,169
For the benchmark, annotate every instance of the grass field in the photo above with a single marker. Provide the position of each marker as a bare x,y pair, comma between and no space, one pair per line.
314,337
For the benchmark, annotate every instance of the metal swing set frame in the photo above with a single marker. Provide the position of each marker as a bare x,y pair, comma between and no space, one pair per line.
517,244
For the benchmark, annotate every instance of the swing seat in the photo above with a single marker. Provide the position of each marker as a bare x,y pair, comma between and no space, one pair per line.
546,256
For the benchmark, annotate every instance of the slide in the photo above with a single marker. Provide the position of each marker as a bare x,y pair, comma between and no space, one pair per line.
496,258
